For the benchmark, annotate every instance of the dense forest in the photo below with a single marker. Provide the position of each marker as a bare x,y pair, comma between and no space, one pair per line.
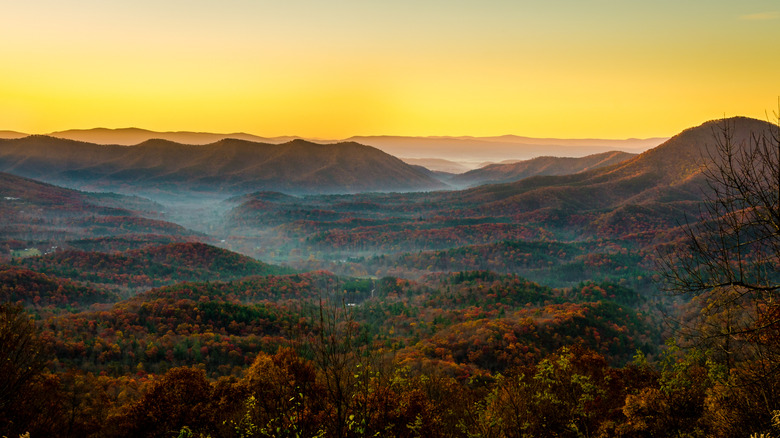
637,299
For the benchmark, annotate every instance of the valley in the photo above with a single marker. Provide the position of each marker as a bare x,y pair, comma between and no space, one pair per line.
244,286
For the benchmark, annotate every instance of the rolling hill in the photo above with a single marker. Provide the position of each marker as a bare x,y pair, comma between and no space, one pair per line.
228,166
464,149
485,311
639,202
509,172
153,266
43,214
39,290
669,172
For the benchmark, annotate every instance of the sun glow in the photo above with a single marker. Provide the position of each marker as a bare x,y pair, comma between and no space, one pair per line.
565,69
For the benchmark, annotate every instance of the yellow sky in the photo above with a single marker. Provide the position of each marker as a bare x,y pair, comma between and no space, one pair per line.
554,68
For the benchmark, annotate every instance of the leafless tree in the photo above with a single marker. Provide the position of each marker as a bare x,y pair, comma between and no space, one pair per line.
729,261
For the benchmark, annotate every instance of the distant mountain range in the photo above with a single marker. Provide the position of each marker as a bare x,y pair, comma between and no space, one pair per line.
227,166
636,198
509,172
668,174
471,151
437,165
467,151
11,134
641,199
134,136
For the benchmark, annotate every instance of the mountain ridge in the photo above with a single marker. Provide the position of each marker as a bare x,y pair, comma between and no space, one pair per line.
508,172
672,167
473,150
134,136
649,193
454,148
38,211
12,134
228,165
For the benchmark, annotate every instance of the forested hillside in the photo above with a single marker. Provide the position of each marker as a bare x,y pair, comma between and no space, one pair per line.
637,299
228,166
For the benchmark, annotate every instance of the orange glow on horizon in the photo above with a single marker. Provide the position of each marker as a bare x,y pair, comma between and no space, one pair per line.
609,70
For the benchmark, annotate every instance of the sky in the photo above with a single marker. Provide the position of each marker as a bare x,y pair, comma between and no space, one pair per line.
333,69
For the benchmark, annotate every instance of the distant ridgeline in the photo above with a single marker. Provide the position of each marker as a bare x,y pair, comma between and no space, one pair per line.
529,307
227,166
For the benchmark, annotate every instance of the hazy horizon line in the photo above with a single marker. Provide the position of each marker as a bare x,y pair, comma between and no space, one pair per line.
316,138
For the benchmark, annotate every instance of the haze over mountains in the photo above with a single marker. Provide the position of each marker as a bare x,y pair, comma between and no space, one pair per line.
606,196
508,172
11,134
437,165
36,211
134,136
472,151
234,167
669,172
468,151
642,198
228,166
463,283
